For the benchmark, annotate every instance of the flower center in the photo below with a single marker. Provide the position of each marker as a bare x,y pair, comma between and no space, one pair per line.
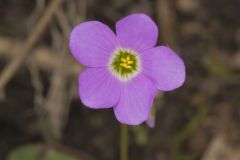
125,64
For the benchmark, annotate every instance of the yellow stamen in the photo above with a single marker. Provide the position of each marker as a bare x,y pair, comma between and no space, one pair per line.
123,60
130,62
126,62
128,67
121,64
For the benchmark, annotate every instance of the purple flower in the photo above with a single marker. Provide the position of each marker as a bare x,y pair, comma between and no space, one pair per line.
124,69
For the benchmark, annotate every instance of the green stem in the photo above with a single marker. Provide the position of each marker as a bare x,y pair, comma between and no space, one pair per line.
124,142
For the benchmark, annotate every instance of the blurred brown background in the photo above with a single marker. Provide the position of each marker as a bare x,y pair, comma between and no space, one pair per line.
39,103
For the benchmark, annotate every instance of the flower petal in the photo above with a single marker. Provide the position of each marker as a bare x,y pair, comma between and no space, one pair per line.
137,32
136,100
91,43
164,67
98,89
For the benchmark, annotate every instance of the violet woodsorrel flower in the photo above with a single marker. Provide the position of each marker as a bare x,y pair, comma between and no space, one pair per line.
124,69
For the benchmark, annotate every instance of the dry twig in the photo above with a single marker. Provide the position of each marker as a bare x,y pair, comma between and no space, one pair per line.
57,103
37,31
166,18
43,57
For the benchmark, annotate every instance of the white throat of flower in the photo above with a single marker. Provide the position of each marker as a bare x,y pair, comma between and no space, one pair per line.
124,64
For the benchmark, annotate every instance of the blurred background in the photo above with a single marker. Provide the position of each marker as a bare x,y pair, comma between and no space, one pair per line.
42,118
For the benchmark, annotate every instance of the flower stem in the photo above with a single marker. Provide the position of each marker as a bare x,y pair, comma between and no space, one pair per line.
124,142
